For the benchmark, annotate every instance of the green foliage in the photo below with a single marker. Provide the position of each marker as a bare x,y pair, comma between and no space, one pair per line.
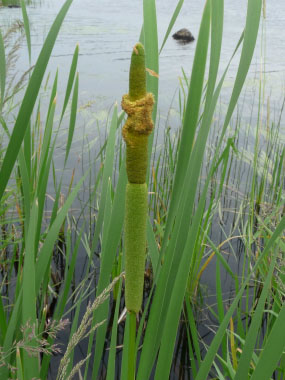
29,100
3,69
137,81
188,192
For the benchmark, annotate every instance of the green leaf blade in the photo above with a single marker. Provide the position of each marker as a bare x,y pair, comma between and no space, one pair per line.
29,99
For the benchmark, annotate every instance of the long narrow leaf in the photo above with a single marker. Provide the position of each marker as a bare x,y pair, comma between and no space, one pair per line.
272,351
52,235
151,47
13,325
208,360
70,81
250,36
112,352
2,69
29,100
72,118
172,22
107,173
159,305
152,56
247,352
191,116
109,249
100,336
27,28
31,368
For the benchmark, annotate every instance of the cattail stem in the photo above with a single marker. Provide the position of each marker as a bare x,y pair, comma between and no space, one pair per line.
132,348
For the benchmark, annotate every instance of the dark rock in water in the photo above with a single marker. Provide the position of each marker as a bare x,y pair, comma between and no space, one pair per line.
183,35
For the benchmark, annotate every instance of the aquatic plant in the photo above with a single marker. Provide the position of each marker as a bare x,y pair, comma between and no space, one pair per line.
179,245
138,105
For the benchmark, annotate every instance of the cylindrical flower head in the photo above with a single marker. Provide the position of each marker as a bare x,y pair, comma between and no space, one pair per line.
135,244
138,105
137,80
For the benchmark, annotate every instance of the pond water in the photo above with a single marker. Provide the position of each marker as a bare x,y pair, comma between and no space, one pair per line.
106,32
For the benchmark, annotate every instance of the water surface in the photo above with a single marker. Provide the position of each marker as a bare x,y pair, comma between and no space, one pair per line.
107,31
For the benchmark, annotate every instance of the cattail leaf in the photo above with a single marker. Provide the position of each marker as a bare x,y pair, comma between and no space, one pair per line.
151,47
152,57
249,346
72,120
273,349
52,235
70,81
107,173
2,69
154,334
27,28
109,249
112,352
172,22
31,367
29,100
208,360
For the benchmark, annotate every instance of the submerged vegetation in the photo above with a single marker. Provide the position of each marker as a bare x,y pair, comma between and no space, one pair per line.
216,204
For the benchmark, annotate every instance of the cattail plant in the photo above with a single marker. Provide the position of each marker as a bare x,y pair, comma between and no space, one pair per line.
138,105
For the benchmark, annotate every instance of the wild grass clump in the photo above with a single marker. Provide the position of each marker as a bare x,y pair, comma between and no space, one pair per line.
205,178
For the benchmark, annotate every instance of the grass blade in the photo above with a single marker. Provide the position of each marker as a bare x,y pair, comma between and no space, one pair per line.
72,119
153,333
208,360
70,81
151,48
217,21
109,249
27,28
124,369
172,22
191,116
151,57
2,69
30,363
100,336
247,351
29,100
3,323
20,375
220,305
52,235
45,163
272,351
250,36
25,187
107,173
152,248
112,352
